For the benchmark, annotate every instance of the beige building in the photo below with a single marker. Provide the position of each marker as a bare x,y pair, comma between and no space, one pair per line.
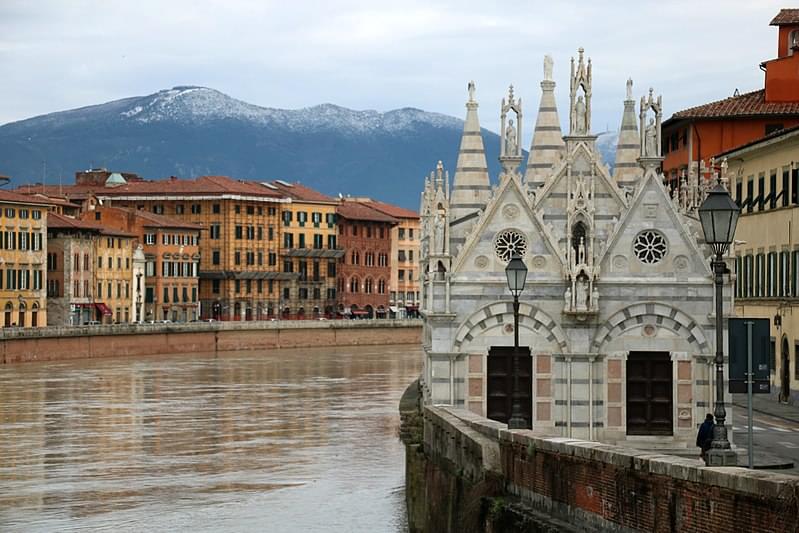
404,282
764,177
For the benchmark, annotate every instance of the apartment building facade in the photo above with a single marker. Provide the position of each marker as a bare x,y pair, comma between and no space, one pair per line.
765,183
23,245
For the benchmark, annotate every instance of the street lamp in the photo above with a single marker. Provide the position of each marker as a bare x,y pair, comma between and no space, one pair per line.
516,272
719,216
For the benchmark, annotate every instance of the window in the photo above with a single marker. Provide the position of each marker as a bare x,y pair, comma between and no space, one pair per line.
786,184
215,231
331,269
215,257
260,233
158,209
750,194
367,286
410,255
410,233
288,240
272,259
215,286
761,191
784,275
149,238
237,258
179,209
239,232
301,243
739,193
330,218
771,275
10,213
237,209
401,255
286,293
302,217
318,242
288,265
355,258
251,233
316,217
772,195
196,209
354,285
331,242
215,209
36,214
401,234
381,286
271,233
250,210
303,293
401,274
286,218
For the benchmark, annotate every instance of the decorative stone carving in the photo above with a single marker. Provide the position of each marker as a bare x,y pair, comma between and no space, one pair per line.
509,243
650,247
620,263
681,263
511,211
539,262
649,330
481,262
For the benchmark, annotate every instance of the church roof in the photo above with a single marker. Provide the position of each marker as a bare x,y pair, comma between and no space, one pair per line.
785,16
744,105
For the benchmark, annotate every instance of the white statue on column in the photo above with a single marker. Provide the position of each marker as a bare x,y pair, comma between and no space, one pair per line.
582,294
579,119
568,300
650,146
548,68
595,299
511,146
439,233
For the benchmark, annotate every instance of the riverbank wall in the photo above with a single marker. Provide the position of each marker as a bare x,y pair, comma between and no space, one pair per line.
82,342
466,473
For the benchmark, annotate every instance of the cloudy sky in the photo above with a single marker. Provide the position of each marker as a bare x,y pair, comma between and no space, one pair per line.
61,54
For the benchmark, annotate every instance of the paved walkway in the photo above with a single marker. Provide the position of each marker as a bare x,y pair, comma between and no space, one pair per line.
766,404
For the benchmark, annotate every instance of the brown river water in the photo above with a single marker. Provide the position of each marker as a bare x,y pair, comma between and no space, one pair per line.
292,440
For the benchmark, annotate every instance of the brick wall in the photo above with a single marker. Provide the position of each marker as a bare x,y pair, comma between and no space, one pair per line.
60,343
604,487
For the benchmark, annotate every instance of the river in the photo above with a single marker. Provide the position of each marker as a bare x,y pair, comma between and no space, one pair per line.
295,440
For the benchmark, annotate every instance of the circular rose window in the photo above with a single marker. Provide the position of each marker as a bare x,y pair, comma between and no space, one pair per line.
650,247
509,243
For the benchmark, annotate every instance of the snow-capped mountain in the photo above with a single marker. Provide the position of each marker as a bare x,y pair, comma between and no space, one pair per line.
189,131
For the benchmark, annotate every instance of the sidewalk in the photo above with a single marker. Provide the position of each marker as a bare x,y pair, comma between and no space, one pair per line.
766,404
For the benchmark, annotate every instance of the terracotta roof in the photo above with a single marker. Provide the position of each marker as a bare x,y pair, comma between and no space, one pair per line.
157,221
392,210
744,105
17,198
785,16
359,211
296,191
204,185
54,220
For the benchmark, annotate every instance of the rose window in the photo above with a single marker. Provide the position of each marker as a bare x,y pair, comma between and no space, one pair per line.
509,243
650,247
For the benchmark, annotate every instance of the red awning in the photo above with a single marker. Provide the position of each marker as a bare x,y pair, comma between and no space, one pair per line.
104,309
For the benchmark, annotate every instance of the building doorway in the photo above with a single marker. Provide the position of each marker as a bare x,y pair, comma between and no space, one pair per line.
785,371
649,394
499,389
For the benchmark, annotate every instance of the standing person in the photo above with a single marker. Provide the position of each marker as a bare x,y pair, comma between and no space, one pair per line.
705,435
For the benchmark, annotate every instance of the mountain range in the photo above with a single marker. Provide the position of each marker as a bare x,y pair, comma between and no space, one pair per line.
190,131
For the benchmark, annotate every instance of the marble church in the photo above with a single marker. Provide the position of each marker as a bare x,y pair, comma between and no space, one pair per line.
616,330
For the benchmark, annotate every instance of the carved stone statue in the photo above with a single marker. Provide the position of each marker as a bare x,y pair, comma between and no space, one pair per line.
650,143
548,68
595,299
582,294
581,251
471,91
439,233
568,300
511,146
629,89
579,116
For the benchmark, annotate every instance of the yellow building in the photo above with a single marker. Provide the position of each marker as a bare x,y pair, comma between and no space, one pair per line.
23,250
113,276
404,282
765,183
309,252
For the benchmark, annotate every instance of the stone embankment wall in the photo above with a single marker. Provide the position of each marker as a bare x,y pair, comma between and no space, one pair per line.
478,476
78,342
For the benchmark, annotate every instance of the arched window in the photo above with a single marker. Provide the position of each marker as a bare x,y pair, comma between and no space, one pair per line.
355,258
21,319
35,315
367,286
8,311
354,284
381,286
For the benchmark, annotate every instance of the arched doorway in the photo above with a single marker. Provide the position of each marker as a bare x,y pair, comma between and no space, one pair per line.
369,311
237,311
21,318
785,370
7,319
35,315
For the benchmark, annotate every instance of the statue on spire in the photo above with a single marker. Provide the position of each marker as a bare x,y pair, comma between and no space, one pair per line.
580,96
650,132
471,91
548,68
629,89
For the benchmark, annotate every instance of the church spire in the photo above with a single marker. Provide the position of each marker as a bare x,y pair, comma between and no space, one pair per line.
547,147
471,186
628,148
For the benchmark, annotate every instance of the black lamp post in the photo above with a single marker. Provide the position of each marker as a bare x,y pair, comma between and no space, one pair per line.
516,272
719,216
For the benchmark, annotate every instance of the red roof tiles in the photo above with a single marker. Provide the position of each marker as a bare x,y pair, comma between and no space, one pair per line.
392,210
785,16
15,197
745,105
300,192
54,220
157,221
355,210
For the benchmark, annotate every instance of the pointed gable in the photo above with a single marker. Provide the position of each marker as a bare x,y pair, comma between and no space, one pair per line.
509,210
653,239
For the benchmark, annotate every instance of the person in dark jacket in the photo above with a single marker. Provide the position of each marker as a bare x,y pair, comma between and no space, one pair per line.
705,435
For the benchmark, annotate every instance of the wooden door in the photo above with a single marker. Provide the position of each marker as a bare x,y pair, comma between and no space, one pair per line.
499,393
649,394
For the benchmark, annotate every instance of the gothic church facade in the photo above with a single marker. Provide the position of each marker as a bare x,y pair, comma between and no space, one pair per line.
616,327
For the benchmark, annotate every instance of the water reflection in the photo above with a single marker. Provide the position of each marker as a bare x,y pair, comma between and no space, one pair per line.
287,440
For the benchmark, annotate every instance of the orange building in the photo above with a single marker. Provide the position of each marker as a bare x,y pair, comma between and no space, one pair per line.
172,257
704,131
